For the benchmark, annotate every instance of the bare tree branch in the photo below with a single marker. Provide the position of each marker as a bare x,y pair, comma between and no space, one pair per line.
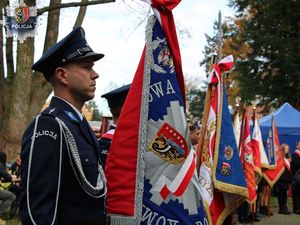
52,25
81,14
71,4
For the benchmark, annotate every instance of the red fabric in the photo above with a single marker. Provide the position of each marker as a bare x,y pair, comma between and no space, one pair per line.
124,145
224,65
217,205
186,181
181,189
247,160
215,79
168,26
163,5
108,136
255,148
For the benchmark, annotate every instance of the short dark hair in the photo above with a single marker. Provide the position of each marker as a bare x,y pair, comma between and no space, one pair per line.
193,127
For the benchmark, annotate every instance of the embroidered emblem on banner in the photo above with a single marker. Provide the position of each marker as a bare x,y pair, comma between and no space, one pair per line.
211,127
164,59
226,169
228,152
248,156
169,145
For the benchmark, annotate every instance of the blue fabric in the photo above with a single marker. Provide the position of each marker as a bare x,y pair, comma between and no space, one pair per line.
165,100
270,148
287,120
235,174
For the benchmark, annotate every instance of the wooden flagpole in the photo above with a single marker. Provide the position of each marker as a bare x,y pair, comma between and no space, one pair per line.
215,58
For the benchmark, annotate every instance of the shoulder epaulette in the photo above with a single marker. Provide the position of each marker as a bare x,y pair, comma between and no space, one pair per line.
72,117
50,111
54,111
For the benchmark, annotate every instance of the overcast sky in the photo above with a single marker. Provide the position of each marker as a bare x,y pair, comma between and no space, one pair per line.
118,31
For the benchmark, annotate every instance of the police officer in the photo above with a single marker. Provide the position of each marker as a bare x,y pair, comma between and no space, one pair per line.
115,100
61,174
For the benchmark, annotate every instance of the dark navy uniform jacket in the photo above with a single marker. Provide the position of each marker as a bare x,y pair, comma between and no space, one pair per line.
74,205
105,143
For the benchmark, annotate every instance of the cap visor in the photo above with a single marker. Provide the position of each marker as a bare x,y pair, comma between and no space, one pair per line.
94,56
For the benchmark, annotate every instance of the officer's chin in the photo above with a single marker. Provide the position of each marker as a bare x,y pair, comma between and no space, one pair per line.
90,96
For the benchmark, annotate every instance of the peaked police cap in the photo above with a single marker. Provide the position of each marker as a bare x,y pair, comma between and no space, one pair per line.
71,48
117,96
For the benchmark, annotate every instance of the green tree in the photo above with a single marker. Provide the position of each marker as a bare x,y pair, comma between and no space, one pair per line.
224,46
271,68
92,105
196,99
22,91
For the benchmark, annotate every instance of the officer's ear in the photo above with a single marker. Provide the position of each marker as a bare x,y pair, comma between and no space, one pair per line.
61,75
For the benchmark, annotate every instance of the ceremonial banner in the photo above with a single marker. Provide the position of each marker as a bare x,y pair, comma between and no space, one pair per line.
221,175
259,154
150,167
274,155
247,160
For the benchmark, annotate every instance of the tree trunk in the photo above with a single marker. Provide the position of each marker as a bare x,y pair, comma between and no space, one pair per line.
22,92
19,102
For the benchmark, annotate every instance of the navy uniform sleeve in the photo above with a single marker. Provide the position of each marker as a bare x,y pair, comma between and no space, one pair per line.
104,145
40,173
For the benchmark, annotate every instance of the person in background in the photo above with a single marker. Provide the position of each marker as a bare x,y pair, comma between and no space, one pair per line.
194,133
283,183
115,100
6,196
62,178
295,166
15,169
243,212
16,166
265,194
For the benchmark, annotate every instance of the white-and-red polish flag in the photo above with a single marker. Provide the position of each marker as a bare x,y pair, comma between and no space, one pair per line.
259,154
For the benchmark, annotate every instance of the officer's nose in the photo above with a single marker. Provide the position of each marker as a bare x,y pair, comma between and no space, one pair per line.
94,75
